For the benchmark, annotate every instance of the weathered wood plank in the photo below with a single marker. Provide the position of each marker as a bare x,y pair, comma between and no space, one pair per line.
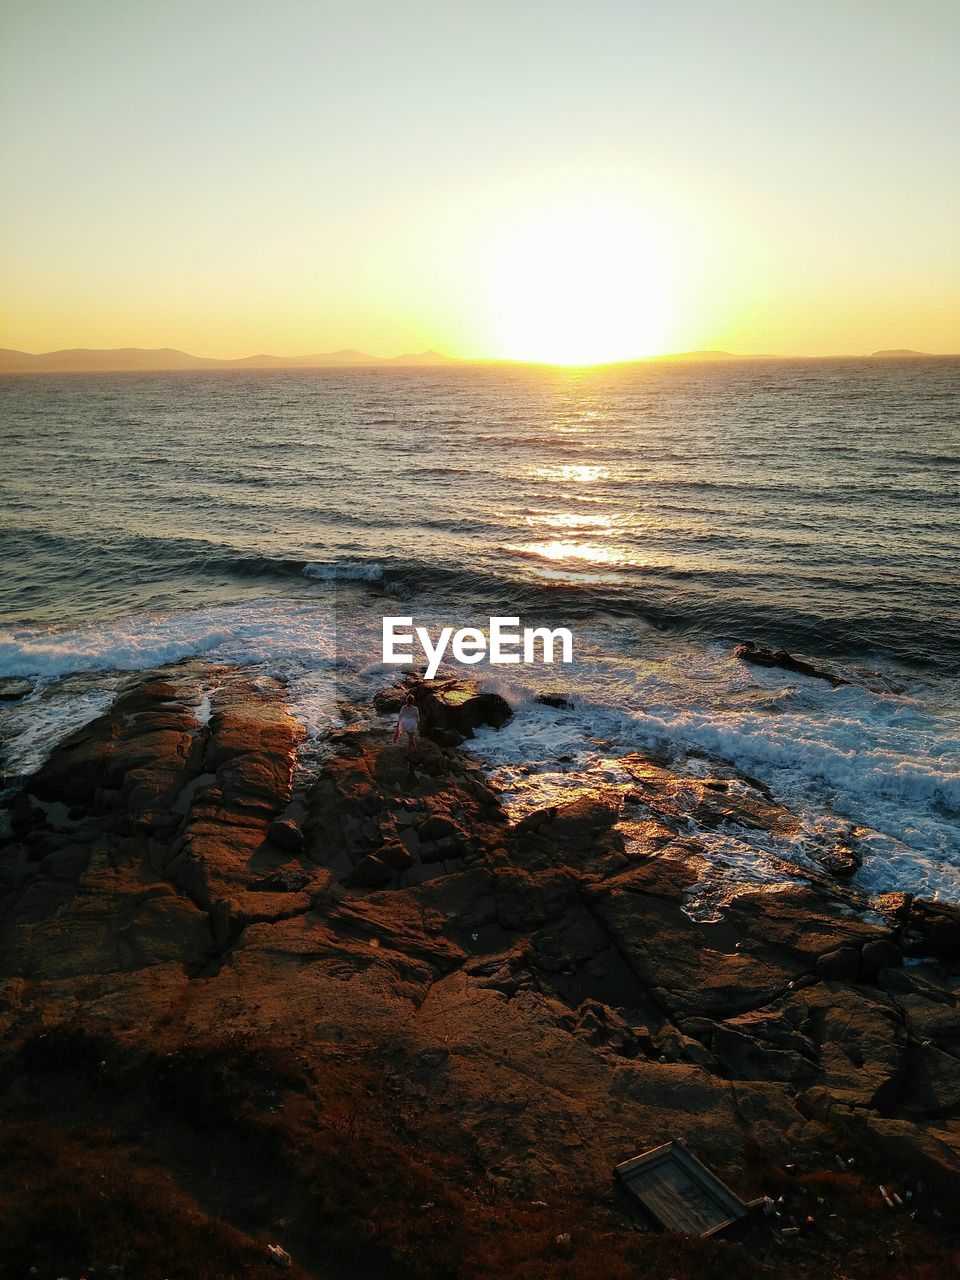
679,1191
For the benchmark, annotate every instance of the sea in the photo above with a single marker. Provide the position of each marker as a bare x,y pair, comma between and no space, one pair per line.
663,512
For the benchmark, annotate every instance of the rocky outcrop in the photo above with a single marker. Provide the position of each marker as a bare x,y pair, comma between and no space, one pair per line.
763,657
366,1018
450,710
13,688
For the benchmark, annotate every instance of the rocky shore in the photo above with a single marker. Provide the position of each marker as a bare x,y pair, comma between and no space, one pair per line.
354,1021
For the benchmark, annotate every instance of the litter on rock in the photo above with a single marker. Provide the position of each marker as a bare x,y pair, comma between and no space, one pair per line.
679,1192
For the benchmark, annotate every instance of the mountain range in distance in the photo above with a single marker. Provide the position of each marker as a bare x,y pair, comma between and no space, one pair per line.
144,360
167,359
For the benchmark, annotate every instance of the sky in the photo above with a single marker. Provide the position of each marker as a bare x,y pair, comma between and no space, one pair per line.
557,181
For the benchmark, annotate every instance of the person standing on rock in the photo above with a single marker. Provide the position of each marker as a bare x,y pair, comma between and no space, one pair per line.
409,722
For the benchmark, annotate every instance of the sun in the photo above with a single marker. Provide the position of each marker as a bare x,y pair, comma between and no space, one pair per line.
582,286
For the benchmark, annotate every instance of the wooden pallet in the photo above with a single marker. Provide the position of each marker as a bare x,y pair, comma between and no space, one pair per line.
679,1192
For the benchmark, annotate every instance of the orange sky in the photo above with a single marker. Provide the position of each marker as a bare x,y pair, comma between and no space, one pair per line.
545,181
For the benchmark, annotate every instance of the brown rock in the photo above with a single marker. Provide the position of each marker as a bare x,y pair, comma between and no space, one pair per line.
879,954
467,1037
458,706
285,834
841,965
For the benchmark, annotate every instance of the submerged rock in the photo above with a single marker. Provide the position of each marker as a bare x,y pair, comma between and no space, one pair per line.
14,687
763,657
556,700
841,861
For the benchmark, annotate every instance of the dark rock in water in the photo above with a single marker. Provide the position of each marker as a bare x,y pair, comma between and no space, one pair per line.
554,700
763,657
841,861
459,706
450,710
14,687
709,803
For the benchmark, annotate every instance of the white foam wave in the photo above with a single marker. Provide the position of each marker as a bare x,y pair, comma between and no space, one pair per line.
842,758
31,729
887,764
258,632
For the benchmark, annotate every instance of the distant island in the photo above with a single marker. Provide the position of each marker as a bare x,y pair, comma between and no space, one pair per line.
903,353
144,360
170,360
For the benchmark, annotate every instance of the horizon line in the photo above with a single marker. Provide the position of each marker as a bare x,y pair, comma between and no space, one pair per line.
96,359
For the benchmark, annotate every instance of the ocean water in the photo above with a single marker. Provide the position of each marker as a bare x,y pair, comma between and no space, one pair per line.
662,512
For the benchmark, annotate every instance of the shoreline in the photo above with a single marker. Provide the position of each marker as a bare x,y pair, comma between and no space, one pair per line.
372,974
830,738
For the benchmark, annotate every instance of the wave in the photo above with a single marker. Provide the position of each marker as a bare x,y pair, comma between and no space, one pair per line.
254,632
343,571
820,613
837,756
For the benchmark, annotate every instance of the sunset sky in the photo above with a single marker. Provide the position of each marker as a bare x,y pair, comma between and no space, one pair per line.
561,181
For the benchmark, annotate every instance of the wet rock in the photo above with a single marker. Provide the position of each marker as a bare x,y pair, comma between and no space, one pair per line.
841,861
763,657
556,700
684,797
459,706
13,688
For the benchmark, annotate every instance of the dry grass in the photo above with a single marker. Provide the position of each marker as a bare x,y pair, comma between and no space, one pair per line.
185,1163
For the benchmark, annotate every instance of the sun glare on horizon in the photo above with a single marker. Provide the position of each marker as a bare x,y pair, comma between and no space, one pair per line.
581,287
